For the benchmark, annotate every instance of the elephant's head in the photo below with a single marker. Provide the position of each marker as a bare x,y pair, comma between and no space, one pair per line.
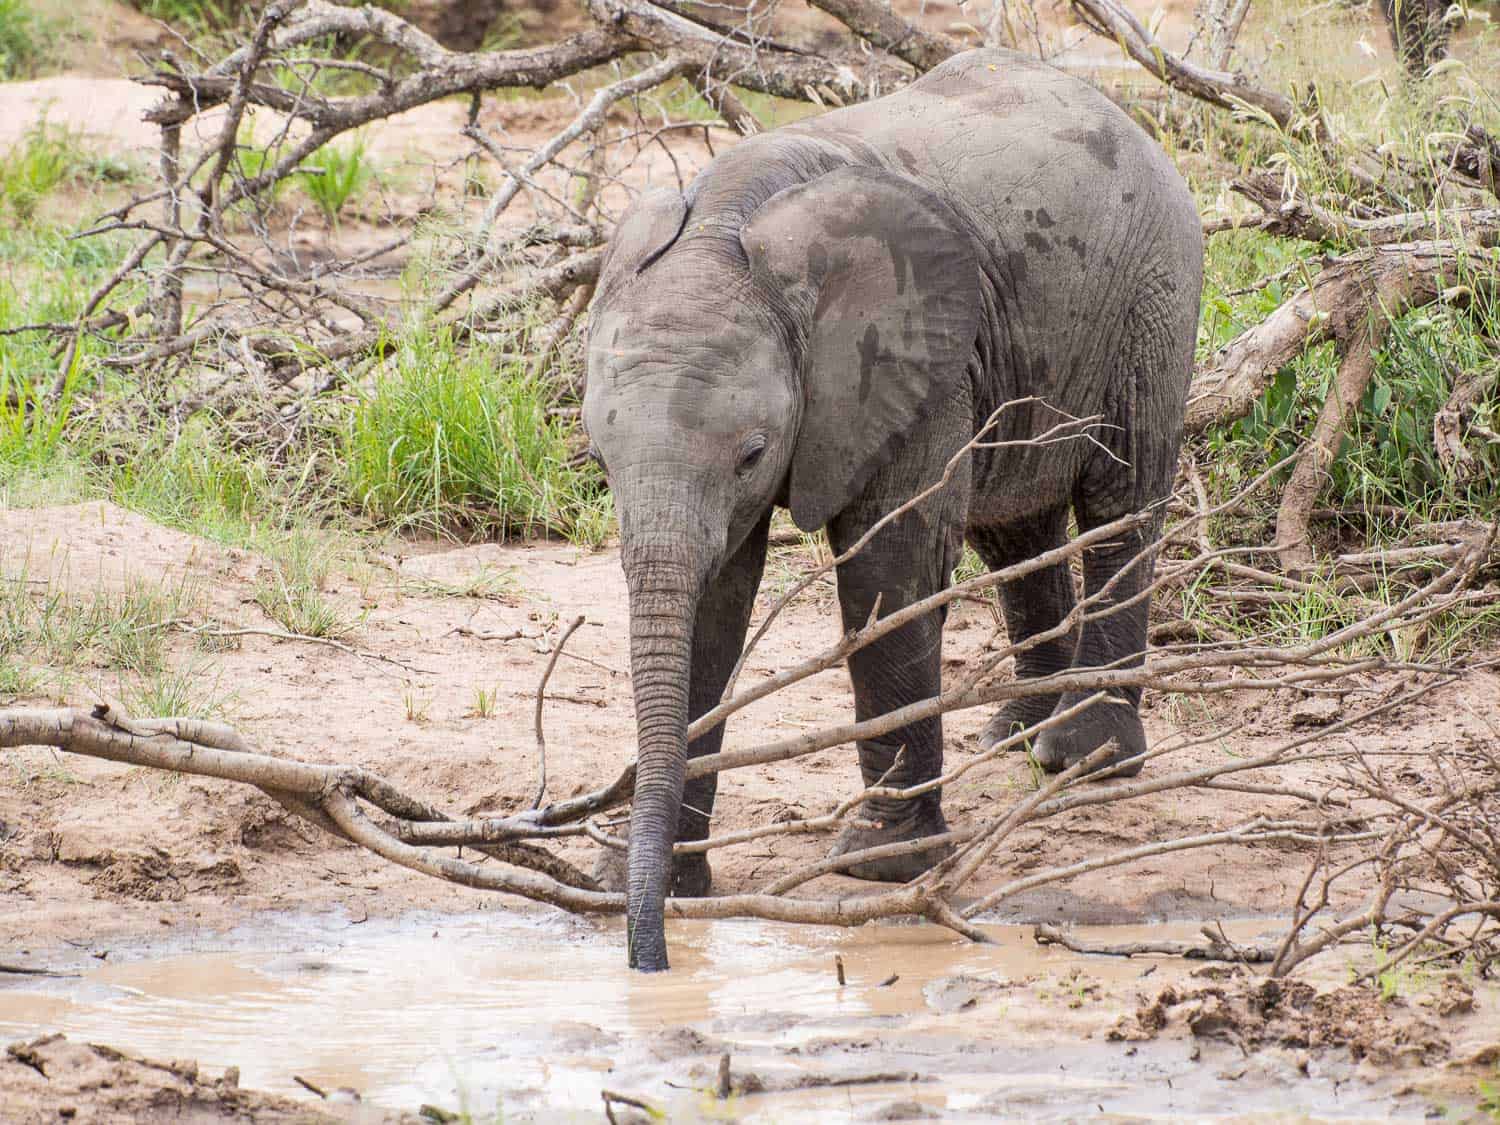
745,352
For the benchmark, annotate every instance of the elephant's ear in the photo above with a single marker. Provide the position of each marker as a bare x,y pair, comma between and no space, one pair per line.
884,283
648,229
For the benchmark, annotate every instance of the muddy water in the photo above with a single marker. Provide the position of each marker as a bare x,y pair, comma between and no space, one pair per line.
533,1015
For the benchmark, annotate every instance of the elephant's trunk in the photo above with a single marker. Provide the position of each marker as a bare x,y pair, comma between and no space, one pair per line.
664,591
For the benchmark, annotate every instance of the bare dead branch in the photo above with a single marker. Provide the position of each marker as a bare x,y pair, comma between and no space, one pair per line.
1115,22
1215,949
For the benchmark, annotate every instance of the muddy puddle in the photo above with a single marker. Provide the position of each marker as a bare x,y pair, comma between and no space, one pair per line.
531,1016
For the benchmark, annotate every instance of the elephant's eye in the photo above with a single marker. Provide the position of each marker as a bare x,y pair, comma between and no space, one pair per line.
751,453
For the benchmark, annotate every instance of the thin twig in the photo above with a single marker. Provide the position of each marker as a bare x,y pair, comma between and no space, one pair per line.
541,692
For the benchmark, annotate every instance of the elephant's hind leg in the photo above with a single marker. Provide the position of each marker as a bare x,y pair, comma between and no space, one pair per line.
1131,474
1113,636
1035,604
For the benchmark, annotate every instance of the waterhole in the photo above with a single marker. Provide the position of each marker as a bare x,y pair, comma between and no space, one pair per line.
531,1016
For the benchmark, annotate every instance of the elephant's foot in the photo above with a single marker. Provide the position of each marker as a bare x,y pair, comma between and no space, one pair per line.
1013,717
692,877
923,818
1060,747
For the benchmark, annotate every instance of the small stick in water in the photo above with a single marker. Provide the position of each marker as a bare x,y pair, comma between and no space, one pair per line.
308,1086
723,1087
838,968
610,1097
890,980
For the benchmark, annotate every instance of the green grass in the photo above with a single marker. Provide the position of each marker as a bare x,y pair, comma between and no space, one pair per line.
485,702
185,693
27,40
49,636
344,171
292,594
450,441
194,16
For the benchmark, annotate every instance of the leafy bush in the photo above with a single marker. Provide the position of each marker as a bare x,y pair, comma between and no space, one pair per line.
448,439
1390,456
192,15
26,39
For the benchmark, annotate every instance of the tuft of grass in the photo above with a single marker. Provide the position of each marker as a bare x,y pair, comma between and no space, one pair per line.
292,593
1037,775
303,610
44,159
486,583
27,40
416,706
344,172
449,441
484,703
187,693
1489,1096
17,681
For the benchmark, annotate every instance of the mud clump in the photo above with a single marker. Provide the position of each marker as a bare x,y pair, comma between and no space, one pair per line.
155,877
1454,998
53,1079
961,992
267,827
681,1042
905,1110
1272,1013
148,878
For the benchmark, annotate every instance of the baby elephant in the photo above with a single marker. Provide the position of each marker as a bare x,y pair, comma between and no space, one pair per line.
826,317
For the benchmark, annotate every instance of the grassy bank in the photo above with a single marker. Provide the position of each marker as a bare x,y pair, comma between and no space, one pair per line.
460,440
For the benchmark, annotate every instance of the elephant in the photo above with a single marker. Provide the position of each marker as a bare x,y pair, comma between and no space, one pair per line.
820,322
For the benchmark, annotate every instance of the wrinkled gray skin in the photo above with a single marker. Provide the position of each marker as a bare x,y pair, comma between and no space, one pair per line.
825,318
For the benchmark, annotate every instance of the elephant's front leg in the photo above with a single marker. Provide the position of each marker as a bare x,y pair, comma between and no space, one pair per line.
903,564
718,636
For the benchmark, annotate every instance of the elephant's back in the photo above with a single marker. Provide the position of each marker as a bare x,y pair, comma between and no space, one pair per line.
1038,161
1086,231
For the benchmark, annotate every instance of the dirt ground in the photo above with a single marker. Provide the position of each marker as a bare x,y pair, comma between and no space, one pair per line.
96,848
95,854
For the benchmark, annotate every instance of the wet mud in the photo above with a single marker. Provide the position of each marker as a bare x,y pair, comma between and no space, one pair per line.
531,1016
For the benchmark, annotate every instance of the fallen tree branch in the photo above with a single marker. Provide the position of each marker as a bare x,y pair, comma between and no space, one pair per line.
1216,949
1115,22
1382,281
